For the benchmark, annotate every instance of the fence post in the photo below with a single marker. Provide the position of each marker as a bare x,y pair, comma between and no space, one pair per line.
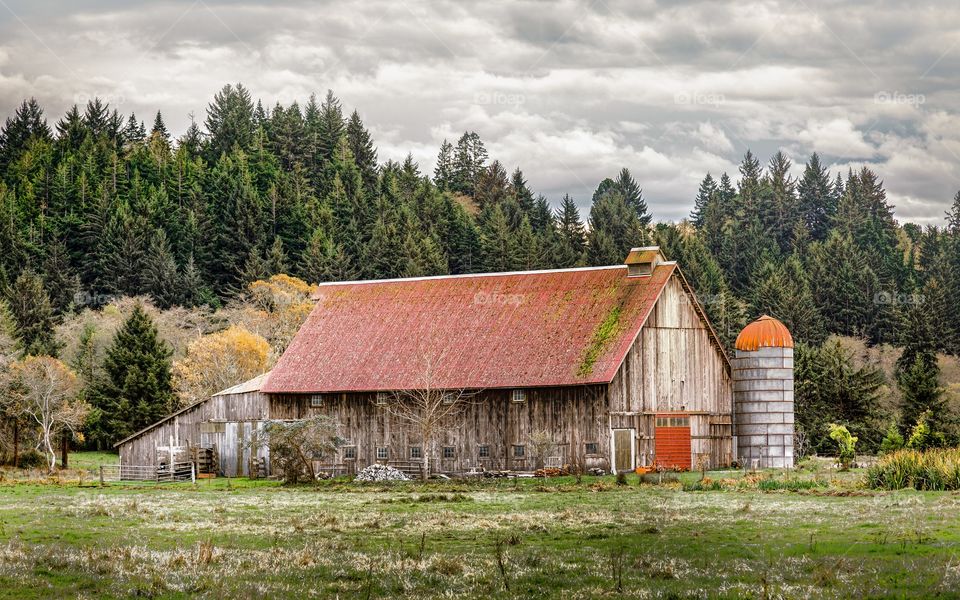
193,473
101,475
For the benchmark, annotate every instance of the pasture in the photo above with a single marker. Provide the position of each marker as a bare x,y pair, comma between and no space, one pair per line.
762,536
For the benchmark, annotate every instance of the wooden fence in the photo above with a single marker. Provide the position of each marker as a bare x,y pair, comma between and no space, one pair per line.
184,471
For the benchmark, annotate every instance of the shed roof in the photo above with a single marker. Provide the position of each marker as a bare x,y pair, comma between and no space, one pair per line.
496,330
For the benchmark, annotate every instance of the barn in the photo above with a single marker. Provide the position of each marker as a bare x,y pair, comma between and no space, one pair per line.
617,366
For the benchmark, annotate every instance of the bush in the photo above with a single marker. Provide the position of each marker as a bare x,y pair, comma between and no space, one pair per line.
846,444
922,437
937,470
295,445
893,441
28,459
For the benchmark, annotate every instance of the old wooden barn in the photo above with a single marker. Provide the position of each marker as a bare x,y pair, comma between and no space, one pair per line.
617,365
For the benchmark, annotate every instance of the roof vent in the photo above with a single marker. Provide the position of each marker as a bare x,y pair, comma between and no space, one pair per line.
642,261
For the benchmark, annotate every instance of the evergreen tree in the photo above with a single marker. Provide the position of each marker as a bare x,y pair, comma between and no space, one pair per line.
330,127
571,239
816,199
469,160
443,172
705,195
32,316
492,186
522,193
844,286
159,129
364,153
498,248
614,230
229,121
26,125
136,389
162,279
919,384
59,277
783,291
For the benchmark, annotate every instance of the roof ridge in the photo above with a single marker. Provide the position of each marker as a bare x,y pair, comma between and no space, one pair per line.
467,275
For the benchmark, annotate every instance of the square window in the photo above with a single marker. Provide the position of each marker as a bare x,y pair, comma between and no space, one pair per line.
449,398
416,452
519,396
382,398
382,453
483,451
448,452
592,447
316,400
518,451
350,452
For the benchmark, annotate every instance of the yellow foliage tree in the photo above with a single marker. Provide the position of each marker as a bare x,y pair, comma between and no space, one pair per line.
275,309
220,360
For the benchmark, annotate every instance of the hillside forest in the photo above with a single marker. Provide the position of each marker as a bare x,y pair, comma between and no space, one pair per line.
143,272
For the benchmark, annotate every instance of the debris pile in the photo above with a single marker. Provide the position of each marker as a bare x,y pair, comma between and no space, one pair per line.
378,472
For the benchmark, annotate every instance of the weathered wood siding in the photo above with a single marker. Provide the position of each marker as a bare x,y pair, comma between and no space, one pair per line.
574,415
186,429
674,367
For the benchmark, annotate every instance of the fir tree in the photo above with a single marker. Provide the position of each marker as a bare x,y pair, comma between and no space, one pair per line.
443,172
705,195
571,239
162,280
136,389
496,241
364,153
32,315
19,131
816,198
919,383
159,129
614,230
330,127
229,121
469,160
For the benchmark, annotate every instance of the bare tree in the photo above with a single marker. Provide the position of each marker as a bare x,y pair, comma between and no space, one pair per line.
429,409
542,445
44,390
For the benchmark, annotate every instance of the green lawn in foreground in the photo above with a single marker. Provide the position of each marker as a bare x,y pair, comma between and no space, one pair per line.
242,538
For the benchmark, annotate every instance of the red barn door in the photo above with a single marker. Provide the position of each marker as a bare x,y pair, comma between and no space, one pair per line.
672,442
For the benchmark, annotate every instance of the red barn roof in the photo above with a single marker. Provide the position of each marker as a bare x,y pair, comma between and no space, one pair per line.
500,330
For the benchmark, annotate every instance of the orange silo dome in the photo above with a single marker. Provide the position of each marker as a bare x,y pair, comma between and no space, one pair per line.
765,332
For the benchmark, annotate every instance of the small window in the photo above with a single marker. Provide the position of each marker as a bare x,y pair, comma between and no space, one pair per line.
519,396
416,452
448,452
382,453
483,451
350,452
382,398
316,400
518,451
666,421
592,448
449,398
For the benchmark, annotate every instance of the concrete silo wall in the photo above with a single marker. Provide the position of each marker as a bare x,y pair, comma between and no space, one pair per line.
763,407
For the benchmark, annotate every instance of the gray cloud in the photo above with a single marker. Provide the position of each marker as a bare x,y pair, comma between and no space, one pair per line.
568,90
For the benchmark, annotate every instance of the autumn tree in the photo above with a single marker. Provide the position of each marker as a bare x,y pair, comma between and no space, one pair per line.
220,360
44,390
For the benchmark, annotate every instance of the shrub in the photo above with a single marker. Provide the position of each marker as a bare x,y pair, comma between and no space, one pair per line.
846,444
28,459
294,445
893,441
922,437
935,469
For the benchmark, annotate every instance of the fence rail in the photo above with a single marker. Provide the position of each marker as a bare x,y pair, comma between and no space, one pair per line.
185,471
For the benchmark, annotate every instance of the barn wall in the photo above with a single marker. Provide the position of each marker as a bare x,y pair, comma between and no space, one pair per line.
237,414
674,366
574,415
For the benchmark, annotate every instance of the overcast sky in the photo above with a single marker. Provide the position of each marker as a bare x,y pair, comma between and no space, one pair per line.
569,91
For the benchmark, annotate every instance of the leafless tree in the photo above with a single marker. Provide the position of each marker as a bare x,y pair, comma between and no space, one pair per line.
542,445
44,390
429,409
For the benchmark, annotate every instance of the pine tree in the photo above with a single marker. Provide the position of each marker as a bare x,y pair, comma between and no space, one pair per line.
60,277
469,160
919,384
522,193
632,195
159,129
779,212
492,186
783,291
162,279
136,389
364,153
324,260
816,198
614,230
844,286
953,216
277,262
26,125
330,127
443,172
571,239
32,316
705,195
498,248
229,121
529,253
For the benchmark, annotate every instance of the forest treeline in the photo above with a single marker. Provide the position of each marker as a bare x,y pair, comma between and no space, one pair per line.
97,206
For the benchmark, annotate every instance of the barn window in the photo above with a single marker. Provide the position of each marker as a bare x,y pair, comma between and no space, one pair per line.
316,400
350,452
518,451
449,398
416,452
382,453
519,396
483,451
448,452
592,448
667,421
382,398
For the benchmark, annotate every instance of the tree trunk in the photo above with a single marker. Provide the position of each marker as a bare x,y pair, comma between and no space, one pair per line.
16,443
64,449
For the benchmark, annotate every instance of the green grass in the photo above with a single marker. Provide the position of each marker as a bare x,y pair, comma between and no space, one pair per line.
753,536
91,460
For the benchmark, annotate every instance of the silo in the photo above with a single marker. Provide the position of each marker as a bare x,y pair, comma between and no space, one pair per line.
763,394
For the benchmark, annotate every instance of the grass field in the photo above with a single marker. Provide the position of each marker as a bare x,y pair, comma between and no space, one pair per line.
778,535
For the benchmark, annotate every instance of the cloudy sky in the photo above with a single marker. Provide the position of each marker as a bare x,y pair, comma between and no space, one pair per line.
569,90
